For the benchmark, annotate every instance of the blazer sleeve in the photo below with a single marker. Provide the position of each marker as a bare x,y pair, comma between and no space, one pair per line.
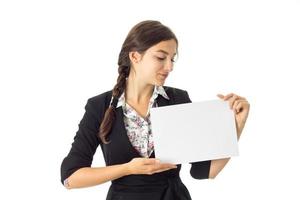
84,145
199,170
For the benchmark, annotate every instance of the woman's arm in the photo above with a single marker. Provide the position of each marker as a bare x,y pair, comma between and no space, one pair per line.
218,164
240,106
91,176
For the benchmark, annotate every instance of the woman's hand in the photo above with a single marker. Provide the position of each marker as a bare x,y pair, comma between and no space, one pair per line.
240,107
147,166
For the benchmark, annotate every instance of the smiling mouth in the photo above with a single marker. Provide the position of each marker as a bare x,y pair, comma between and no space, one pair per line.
163,75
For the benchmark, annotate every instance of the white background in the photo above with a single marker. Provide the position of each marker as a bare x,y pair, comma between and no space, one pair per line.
54,55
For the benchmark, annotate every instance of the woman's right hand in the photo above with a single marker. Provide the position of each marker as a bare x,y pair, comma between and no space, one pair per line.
148,166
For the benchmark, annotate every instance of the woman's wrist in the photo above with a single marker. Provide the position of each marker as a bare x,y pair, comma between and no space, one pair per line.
126,169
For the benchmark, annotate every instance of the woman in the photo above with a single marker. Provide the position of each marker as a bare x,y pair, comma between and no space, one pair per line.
119,121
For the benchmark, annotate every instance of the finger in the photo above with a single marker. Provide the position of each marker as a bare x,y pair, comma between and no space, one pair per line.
245,106
240,106
167,165
236,103
150,168
153,168
150,161
228,96
163,167
157,171
161,170
232,100
221,96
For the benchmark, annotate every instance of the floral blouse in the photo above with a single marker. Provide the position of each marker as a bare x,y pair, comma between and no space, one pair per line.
139,128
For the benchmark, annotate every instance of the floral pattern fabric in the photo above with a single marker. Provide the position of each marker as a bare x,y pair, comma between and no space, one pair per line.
139,128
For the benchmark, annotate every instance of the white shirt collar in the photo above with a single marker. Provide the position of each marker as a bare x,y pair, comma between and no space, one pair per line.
157,90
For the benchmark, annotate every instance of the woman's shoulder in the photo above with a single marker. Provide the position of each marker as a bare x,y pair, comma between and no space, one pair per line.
178,95
174,91
101,100
98,104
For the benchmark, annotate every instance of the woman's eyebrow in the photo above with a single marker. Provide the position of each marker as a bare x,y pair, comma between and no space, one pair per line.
163,51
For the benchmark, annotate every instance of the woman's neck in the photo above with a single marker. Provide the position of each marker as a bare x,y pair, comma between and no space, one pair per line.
137,91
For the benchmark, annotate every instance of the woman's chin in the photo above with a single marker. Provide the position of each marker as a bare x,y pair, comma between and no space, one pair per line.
160,83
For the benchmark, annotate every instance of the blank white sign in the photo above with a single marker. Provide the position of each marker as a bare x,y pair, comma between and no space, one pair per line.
193,132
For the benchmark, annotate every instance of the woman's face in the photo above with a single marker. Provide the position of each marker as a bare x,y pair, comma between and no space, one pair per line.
156,63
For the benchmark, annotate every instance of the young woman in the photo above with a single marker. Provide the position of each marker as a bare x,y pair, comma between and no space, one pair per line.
119,121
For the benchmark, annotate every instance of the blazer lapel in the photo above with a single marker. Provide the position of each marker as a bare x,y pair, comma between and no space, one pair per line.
161,101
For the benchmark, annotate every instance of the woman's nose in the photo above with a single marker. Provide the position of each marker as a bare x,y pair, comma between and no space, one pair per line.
169,66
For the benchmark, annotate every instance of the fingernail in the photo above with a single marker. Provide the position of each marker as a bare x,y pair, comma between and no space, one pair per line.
157,161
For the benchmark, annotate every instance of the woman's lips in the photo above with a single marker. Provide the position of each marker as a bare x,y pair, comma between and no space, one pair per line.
164,75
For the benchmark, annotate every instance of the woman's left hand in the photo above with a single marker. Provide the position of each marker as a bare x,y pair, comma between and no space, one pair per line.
240,107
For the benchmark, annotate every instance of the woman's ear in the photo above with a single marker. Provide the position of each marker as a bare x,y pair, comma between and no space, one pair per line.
134,56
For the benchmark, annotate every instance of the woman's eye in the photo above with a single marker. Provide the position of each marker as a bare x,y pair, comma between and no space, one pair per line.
159,58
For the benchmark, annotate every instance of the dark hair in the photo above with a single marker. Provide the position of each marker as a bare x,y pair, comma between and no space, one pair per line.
141,37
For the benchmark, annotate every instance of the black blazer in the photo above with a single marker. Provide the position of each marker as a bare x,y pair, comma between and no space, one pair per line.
120,149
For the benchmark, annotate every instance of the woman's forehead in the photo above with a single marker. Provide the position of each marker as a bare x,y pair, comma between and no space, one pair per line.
167,47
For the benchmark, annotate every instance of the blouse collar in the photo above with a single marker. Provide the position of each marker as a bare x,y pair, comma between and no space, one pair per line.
157,90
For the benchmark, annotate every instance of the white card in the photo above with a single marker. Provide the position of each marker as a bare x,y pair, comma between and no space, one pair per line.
193,132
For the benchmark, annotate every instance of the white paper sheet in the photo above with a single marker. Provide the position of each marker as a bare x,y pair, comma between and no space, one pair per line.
193,132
